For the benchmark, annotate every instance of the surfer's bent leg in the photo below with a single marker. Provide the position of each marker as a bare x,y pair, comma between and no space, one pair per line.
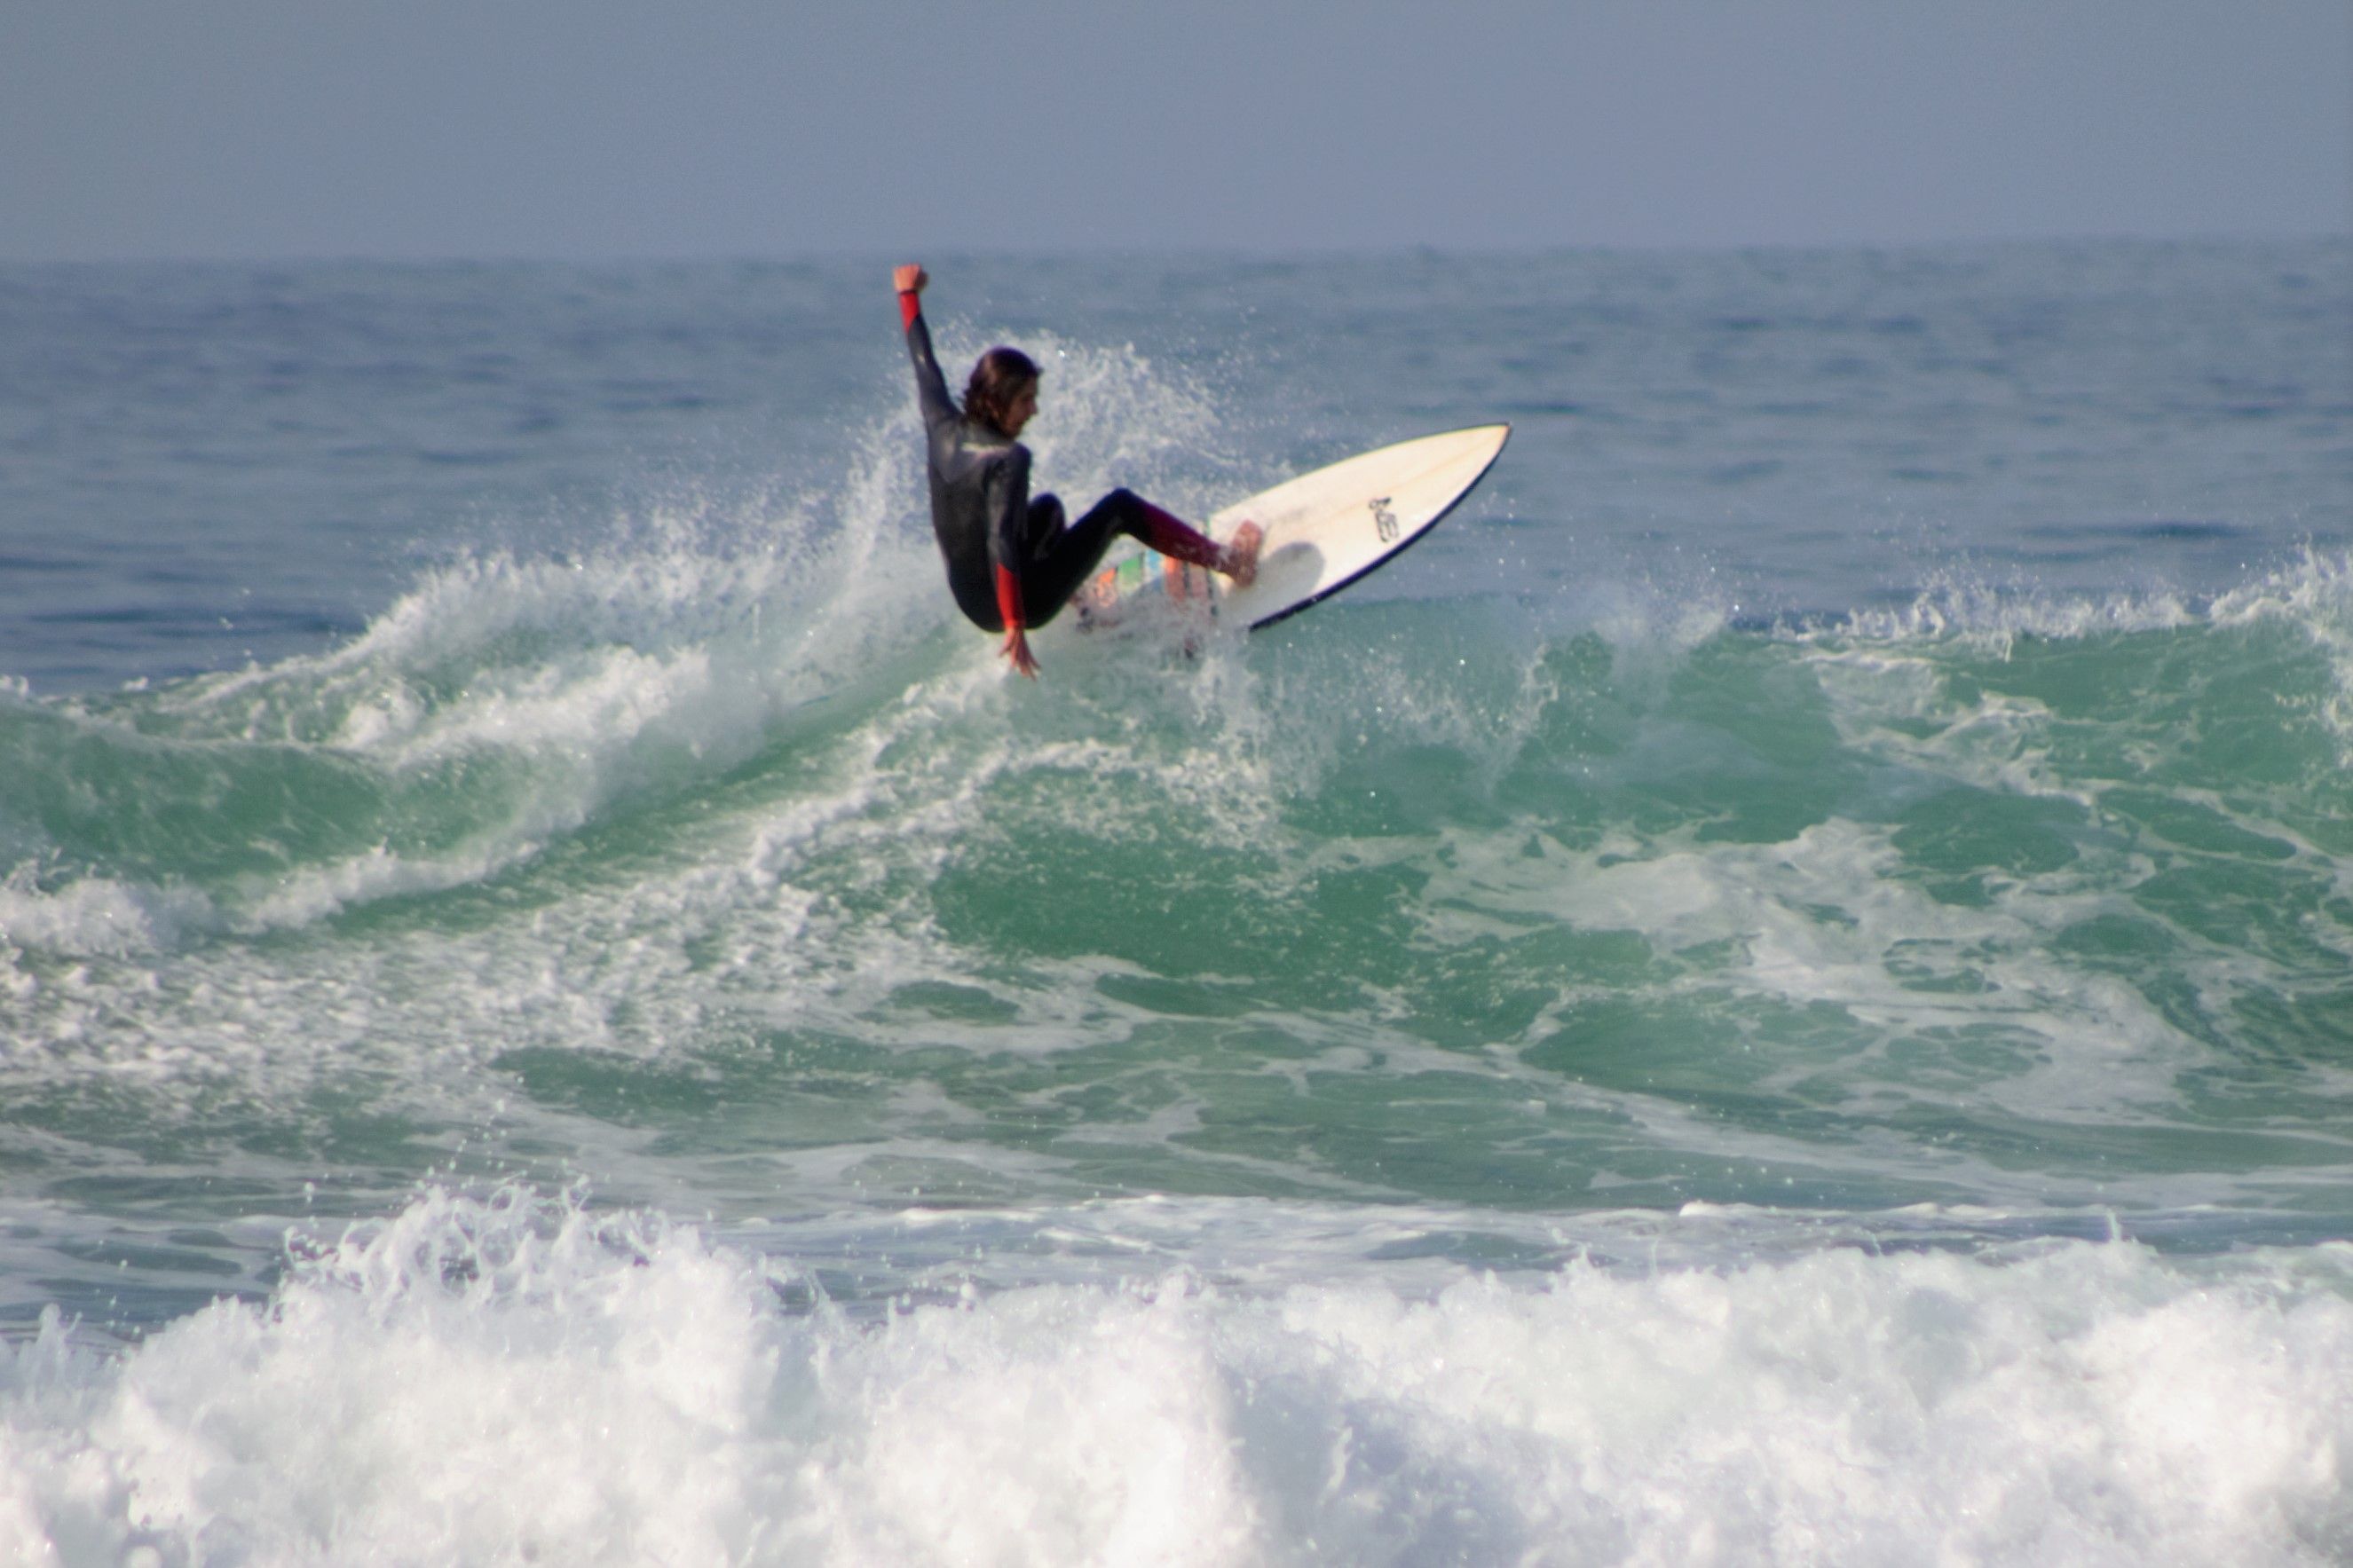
1131,514
1062,555
1173,536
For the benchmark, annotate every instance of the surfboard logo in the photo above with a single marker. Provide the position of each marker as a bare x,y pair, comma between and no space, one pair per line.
1385,521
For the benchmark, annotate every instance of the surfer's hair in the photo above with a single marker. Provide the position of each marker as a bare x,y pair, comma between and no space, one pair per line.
997,382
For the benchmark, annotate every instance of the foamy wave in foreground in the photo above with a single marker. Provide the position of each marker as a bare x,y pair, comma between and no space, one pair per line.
516,1381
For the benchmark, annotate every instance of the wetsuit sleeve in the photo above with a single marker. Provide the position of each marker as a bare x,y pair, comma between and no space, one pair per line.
1006,492
931,388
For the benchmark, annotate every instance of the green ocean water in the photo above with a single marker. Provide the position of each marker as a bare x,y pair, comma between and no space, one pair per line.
2036,911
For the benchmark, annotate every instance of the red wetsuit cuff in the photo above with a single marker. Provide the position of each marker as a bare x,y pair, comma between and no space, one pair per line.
911,305
1008,600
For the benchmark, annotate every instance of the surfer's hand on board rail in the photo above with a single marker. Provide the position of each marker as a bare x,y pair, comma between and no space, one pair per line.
1017,649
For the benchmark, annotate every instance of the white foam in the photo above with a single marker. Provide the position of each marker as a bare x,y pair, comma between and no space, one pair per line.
515,1381
96,915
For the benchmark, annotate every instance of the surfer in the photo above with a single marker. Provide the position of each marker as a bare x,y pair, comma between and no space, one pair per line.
1014,560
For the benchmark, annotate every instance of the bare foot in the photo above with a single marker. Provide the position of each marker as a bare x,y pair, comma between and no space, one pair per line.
1241,561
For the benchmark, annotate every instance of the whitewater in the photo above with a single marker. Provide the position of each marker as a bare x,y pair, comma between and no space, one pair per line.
1778,990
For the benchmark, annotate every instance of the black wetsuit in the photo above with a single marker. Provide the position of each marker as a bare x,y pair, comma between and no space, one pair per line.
987,523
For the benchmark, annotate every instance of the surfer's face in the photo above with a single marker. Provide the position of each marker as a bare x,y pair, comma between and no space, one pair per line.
1021,410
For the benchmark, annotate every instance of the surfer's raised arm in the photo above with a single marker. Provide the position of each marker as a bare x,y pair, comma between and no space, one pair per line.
931,388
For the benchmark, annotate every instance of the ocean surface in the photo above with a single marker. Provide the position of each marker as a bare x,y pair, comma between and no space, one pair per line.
1779,990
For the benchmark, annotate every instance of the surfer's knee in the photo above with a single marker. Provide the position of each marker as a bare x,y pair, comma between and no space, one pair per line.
1131,513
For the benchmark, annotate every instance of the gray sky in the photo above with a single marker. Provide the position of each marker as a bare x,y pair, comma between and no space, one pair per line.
629,128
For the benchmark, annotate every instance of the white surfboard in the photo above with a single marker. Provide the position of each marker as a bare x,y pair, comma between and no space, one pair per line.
1325,530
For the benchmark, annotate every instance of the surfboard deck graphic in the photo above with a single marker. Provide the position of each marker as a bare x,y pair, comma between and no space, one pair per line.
1325,530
